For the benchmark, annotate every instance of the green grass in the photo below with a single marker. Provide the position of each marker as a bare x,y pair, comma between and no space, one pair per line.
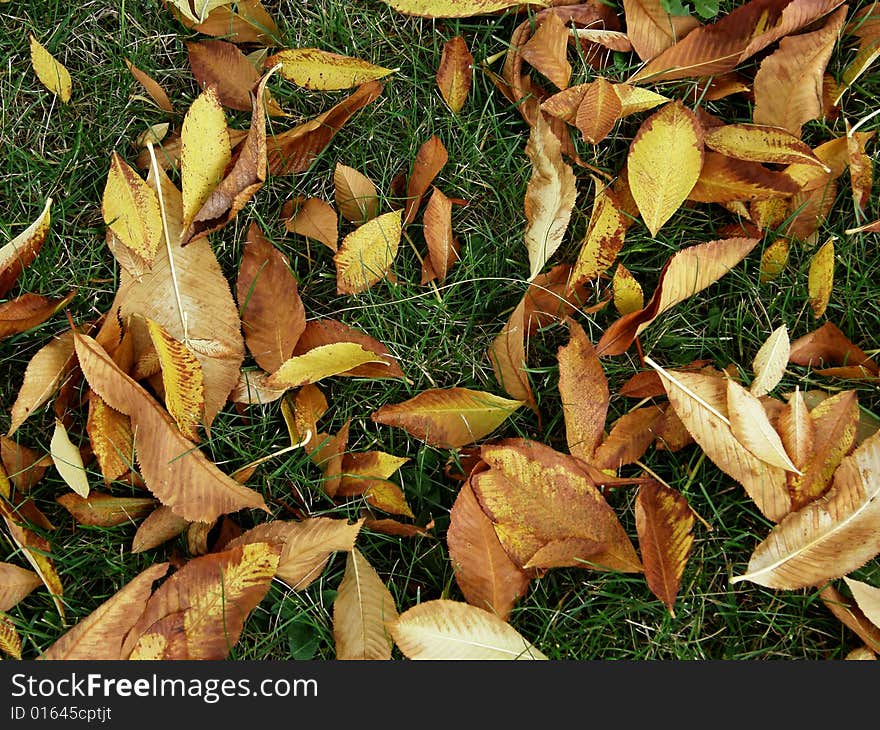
63,151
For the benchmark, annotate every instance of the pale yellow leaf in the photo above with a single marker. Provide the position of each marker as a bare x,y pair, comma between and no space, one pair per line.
68,460
455,8
820,280
627,292
770,361
131,210
751,426
356,195
867,598
313,68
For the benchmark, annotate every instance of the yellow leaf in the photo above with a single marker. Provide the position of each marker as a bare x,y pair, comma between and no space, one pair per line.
604,238
774,259
455,73
182,380
820,280
770,361
111,438
356,196
635,99
131,210
20,252
830,537
204,153
449,630
455,8
658,187
448,418
550,196
51,73
760,143
313,68
627,292
68,461
365,255
361,612
321,362
104,510
388,497
362,469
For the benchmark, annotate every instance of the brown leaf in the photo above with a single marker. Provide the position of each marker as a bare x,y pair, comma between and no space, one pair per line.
430,159
306,545
160,526
152,87
689,271
629,438
100,635
199,612
584,392
665,523
301,413
315,219
327,453
326,331
105,510
725,179
547,50
788,84
720,47
599,111
867,598
15,584
167,459
448,418
826,346
547,511
248,22
651,30
443,246
484,572
851,616
27,311
797,430
272,314
111,438
21,251
24,466
455,73
10,641
294,150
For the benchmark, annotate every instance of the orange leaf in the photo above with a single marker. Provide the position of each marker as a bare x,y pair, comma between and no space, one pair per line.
629,438
651,30
328,331
725,179
547,50
105,510
27,311
152,87
598,112
454,74
443,247
826,346
315,219
21,251
160,526
430,159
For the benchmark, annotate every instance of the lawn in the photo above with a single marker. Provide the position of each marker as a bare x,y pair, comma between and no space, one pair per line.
440,334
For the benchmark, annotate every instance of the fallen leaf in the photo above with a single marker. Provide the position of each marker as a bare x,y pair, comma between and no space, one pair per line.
821,278
28,311
360,471
161,525
182,380
361,612
327,331
700,401
725,179
110,437
583,389
453,8
52,74
547,510
272,314
100,635
626,291
750,426
152,87
430,159
773,260
484,573
448,630
788,83
598,112
367,253
651,29
67,459
306,545
443,247
827,345
828,538
547,50
313,68
105,510
604,238
455,73
315,219
613,40
867,598
770,361
356,195
448,418
15,584
131,210
657,187
861,167
760,143
249,22
689,271
321,362
25,467
550,196
327,452
797,430
629,438
665,523
167,459
851,616
21,251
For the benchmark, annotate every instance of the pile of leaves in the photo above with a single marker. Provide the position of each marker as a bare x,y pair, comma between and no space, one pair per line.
181,341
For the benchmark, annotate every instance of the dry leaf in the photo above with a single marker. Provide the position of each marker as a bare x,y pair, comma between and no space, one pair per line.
249,22
25,467
665,523
751,426
167,459
105,510
366,254
797,430
725,180
830,537
52,74
68,460
583,389
604,238
773,260
598,112
851,616
826,346
548,511
861,166
453,8
443,247
361,612
547,50
319,332
315,219
484,572
100,634
27,311
455,73
430,159
770,361
788,84
160,526
21,251
313,68
307,545
15,584
272,314
131,210
448,630
757,143
362,471
321,362
356,195
629,438
652,30
152,87
110,437
448,418
689,271
867,598
821,278
550,196
626,291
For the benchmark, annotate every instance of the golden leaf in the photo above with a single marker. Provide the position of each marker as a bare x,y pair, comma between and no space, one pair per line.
10,641
131,210
366,255
760,143
448,630
658,187
15,584
321,362
361,470
773,260
328,331
454,8
68,460
821,278
626,291
726,180
356,195
52,74
455,73
313,68
652,30
204,153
